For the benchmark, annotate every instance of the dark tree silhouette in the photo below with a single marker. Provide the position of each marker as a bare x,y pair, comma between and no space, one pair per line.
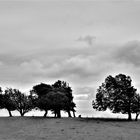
136,106
7,101
13,99
66,89
54,97
72,106
117,94
43,103
39,98
22,102
41,89
58,100
1,98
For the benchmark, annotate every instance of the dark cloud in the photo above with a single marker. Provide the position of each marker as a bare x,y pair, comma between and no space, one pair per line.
80,68
129,53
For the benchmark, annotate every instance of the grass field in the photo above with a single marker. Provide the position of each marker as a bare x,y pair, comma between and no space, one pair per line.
38,128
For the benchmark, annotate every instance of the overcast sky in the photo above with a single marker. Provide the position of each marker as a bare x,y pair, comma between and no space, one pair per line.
80,42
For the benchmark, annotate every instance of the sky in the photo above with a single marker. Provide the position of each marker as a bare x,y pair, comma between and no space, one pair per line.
81,42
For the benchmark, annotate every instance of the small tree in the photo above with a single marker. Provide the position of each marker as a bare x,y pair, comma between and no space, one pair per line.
23,102
8,102
117,94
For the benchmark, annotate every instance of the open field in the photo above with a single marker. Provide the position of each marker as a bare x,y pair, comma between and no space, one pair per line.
37,128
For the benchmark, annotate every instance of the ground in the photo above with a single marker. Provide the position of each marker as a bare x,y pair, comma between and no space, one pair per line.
38,128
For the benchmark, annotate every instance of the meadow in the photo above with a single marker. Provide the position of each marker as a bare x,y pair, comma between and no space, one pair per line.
38,128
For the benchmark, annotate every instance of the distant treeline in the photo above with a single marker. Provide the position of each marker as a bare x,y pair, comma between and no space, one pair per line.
43,96
115,93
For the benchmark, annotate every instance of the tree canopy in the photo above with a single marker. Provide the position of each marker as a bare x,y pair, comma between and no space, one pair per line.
23,103
13,99
117,94
54,97
7,101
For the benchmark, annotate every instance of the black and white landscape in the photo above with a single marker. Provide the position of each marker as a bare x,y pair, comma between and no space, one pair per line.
62,58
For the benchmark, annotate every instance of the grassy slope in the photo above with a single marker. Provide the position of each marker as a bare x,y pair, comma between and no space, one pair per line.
37,128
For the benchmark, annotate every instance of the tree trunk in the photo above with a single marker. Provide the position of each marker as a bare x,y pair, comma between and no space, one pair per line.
55,114
129,116
58,114
74,114
69,114
46,112
136,116
10,114
21,113
129,111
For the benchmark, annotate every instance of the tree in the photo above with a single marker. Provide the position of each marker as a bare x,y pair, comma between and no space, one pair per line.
57,102
13,99
22,102
66,89
41,89
43,103
7,101
54,97
117,94
39,98
73,105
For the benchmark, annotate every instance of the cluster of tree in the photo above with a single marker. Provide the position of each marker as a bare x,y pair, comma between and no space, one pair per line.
54,97
118,95
45,97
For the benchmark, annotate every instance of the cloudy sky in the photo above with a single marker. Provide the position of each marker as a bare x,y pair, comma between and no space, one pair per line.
80,42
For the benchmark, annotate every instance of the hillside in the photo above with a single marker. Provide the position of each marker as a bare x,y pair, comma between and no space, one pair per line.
37,128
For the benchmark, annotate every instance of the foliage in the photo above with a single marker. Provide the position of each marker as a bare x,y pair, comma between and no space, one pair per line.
54,97
22,102
136,105
117,94
7,101
58,100
13,99
67,91
41,89
39,98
